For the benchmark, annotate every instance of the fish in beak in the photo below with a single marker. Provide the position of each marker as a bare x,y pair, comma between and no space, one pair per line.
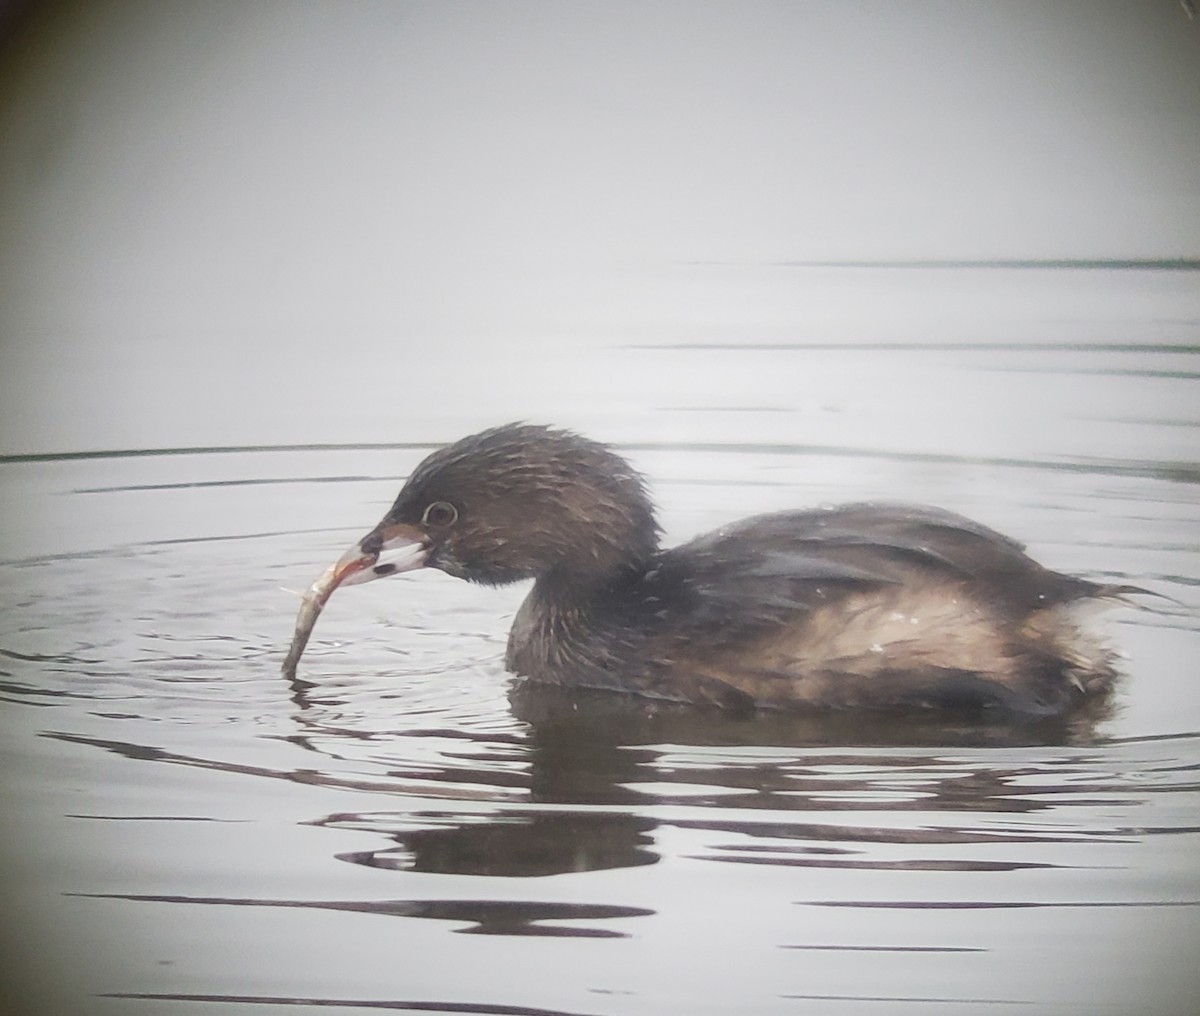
389,549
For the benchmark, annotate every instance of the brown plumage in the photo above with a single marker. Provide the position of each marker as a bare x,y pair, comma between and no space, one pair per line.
866,605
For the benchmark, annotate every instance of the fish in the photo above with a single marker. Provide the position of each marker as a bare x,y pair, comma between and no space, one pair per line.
386,550
313,602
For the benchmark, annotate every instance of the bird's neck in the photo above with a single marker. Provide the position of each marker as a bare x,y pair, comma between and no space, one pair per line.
570,632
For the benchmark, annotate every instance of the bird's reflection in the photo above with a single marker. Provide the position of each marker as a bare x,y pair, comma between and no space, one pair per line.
596,765
519,845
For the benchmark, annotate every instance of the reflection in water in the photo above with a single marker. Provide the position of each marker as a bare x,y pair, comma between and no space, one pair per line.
279,842
520,844
626,764
368,1004
482,917
228,230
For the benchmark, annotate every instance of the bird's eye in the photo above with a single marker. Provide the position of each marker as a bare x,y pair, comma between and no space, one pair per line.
440,513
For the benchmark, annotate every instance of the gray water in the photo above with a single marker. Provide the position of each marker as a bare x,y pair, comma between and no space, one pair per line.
256,260
189,832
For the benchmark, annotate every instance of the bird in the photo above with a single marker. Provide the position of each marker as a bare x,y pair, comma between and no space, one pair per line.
869,606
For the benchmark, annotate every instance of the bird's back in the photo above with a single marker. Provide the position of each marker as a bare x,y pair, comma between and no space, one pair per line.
865,606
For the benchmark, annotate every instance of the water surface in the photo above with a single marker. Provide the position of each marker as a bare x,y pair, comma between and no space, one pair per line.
399,830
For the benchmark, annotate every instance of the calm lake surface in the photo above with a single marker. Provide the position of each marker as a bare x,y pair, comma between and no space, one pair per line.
187,832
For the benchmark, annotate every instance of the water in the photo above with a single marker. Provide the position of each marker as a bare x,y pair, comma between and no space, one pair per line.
188,832
256,259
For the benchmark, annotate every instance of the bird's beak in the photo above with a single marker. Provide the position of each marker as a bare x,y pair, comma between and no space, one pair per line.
388,549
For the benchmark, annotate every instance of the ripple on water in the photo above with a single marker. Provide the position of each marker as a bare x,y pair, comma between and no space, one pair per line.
401,783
